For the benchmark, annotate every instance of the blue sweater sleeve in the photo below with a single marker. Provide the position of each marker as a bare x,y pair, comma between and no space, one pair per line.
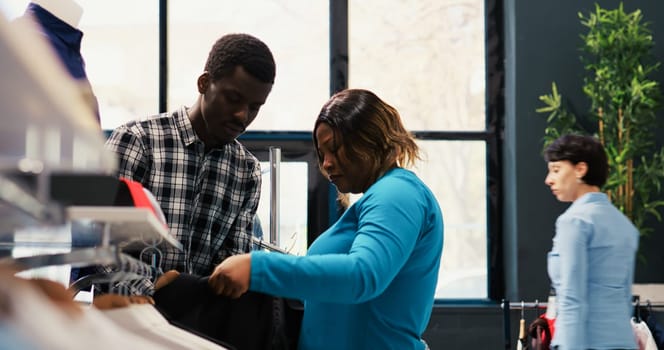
389,220
571,242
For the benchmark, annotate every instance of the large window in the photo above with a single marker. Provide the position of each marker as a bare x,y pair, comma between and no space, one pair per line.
427,59
424,57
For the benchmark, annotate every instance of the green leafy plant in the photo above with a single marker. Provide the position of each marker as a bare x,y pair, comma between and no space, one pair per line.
617,59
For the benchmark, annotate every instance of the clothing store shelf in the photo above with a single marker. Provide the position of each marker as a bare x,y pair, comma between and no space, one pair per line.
130,227
76,258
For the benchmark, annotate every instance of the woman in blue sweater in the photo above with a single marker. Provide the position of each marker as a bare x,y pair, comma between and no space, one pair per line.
368,282
591,264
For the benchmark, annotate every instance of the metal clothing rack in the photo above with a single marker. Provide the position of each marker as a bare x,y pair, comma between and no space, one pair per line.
267,245
523,305
507,306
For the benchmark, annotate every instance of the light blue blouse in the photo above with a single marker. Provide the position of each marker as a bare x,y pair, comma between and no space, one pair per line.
591,267
368,282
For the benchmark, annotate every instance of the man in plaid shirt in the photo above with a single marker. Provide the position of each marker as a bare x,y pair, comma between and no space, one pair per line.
207,183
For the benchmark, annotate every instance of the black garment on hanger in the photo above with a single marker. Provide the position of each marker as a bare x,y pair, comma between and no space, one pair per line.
656,328
253,321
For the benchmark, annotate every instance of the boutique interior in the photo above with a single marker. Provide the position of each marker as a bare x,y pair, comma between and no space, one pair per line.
470,79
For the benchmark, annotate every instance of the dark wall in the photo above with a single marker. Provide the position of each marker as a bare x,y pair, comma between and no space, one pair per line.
466,328
542,46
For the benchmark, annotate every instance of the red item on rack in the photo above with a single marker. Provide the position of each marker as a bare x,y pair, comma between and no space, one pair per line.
541,332
142,198
137,194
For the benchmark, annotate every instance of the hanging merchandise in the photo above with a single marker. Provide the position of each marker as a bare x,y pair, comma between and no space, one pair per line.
654,326
642,334
540,332
254,321
522,341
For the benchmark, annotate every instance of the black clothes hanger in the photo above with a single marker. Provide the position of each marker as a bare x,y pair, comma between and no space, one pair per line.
637,313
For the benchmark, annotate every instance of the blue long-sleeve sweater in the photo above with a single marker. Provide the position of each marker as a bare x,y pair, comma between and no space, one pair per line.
368,282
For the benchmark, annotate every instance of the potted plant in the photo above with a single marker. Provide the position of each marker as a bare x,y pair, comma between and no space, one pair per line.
617,58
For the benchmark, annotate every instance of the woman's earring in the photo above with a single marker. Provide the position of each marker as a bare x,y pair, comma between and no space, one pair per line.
578,180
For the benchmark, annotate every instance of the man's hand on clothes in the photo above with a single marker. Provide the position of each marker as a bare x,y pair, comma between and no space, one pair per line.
231,278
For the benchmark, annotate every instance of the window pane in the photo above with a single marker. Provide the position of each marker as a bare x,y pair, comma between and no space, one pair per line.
296,32
426,58
121,53
293,203
456,173
13,8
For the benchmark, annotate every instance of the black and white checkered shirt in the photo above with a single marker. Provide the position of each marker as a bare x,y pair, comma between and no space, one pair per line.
209,199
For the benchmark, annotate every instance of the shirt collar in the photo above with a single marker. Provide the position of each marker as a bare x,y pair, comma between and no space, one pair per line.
183,123
187,132
591,197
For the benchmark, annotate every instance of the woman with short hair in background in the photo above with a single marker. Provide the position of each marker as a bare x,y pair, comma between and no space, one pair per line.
591,263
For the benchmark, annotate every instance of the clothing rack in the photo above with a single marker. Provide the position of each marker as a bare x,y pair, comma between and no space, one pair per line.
524,305
267,245
640,304
507,306
657,305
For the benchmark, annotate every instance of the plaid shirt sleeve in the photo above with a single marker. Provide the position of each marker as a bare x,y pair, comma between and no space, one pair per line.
130,149
133,165
239,238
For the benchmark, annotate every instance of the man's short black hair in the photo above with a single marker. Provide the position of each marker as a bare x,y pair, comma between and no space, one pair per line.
243,50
